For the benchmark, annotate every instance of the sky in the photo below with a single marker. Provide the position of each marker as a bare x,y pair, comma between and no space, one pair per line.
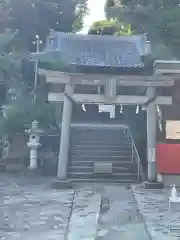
96,8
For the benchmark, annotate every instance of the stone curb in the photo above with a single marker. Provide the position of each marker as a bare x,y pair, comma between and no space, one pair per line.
140,212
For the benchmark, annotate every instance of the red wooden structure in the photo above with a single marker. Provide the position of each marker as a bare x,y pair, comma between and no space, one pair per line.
168,158
168,150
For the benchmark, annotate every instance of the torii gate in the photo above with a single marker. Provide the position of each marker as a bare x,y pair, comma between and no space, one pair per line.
68,46
150,101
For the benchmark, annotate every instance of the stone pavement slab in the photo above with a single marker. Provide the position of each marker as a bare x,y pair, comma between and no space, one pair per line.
85,214
153,205
119,218
32,210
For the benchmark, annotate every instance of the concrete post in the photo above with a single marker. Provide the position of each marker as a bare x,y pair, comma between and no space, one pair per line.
65,135
151,136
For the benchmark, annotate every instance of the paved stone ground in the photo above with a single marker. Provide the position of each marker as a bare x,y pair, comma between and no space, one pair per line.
119,216
31,210
85,213
153,205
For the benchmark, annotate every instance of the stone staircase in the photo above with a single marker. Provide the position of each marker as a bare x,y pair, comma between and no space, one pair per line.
93,150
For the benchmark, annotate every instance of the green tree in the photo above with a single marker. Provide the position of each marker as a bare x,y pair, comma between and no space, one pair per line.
22,112
160,19
110,27
33,17
22,20
10,60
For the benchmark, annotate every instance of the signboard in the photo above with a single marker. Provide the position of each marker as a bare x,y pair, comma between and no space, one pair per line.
172,129
100,167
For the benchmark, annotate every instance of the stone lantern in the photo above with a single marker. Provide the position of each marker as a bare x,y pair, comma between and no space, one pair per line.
34,143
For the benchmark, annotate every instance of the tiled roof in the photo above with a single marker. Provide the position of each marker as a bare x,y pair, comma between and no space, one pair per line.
93,50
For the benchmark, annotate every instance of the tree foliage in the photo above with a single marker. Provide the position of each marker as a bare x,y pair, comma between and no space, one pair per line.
33,17
22,112
110,27
159,18
10,60
20,21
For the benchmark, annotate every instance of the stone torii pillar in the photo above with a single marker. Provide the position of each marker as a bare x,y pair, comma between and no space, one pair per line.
151,141
62,182
151,135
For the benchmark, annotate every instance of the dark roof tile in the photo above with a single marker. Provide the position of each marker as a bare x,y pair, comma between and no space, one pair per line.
93,50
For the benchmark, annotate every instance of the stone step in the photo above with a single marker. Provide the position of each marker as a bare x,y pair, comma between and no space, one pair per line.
100,138
103,181
86,163
102,132
101,155
105,133
110,146
117,176
85,215
99,151
81,158
103,140
94,146
90,169
99,134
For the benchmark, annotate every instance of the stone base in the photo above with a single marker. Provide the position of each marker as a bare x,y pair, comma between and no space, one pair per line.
153,185
61,184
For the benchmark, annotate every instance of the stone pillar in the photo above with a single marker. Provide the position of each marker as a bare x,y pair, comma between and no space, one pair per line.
151,136
33,158
110,89
65,135
33,144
